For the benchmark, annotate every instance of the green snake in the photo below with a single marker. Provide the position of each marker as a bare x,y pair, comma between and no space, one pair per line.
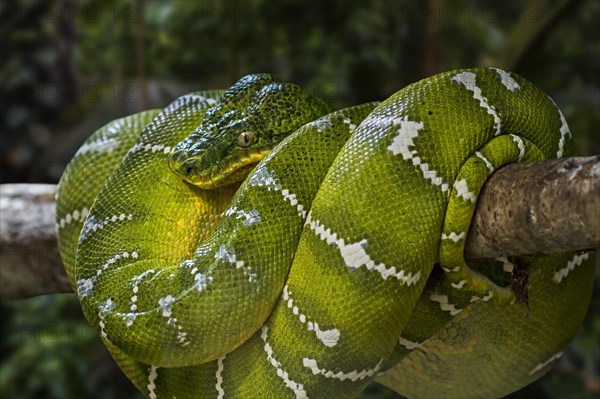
250,243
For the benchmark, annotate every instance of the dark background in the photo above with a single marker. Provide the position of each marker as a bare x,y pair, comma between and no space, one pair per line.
69,67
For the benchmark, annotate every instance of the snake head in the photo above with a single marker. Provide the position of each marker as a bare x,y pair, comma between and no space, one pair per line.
249,119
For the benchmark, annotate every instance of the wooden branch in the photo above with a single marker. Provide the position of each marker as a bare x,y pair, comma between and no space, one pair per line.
30,264
535,208
538,208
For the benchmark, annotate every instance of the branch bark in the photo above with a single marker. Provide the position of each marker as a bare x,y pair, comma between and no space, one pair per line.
30,264
536,208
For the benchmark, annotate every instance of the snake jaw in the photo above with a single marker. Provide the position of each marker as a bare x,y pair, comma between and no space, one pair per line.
222,174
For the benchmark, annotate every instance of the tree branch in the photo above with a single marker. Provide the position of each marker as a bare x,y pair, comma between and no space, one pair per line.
536,208
30,264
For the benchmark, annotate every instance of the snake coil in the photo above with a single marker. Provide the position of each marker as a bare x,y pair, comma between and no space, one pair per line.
339,258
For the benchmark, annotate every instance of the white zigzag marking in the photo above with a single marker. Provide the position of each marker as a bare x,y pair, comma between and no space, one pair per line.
486,298
462,190
106,307
136,282
340,375
520,144
76,215
410,345
182,338
453,270
165,303
444,305
544,364
228,255
251,217
321,124
576,261
94,224
485,160
459,285
351,126
219,377
507,80
85,286
201,281
329,338
453,236
507,265
355,255
402,143
294,386
564,133
291,198
208,100
469,80
265,178
102,145
152,375
150,148
130,317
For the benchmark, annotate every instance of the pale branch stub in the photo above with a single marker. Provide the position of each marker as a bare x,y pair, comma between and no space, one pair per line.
30,263
532,208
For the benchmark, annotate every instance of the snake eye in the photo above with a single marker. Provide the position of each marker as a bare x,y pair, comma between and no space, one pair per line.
245,139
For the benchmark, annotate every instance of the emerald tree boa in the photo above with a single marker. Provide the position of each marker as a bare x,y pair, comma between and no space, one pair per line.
251,243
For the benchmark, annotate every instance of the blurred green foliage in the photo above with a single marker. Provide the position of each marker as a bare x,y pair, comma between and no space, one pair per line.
68,67
49,351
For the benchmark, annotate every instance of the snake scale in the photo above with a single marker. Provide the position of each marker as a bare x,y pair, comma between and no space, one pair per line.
250,243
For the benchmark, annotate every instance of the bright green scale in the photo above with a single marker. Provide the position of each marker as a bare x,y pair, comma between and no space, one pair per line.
338,260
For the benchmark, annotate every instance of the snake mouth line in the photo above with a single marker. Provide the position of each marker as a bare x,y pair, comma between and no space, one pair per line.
231,171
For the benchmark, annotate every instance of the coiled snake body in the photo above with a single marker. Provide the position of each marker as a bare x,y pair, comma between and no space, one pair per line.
337,261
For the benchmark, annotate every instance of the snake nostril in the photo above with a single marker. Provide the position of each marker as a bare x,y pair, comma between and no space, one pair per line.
179,163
